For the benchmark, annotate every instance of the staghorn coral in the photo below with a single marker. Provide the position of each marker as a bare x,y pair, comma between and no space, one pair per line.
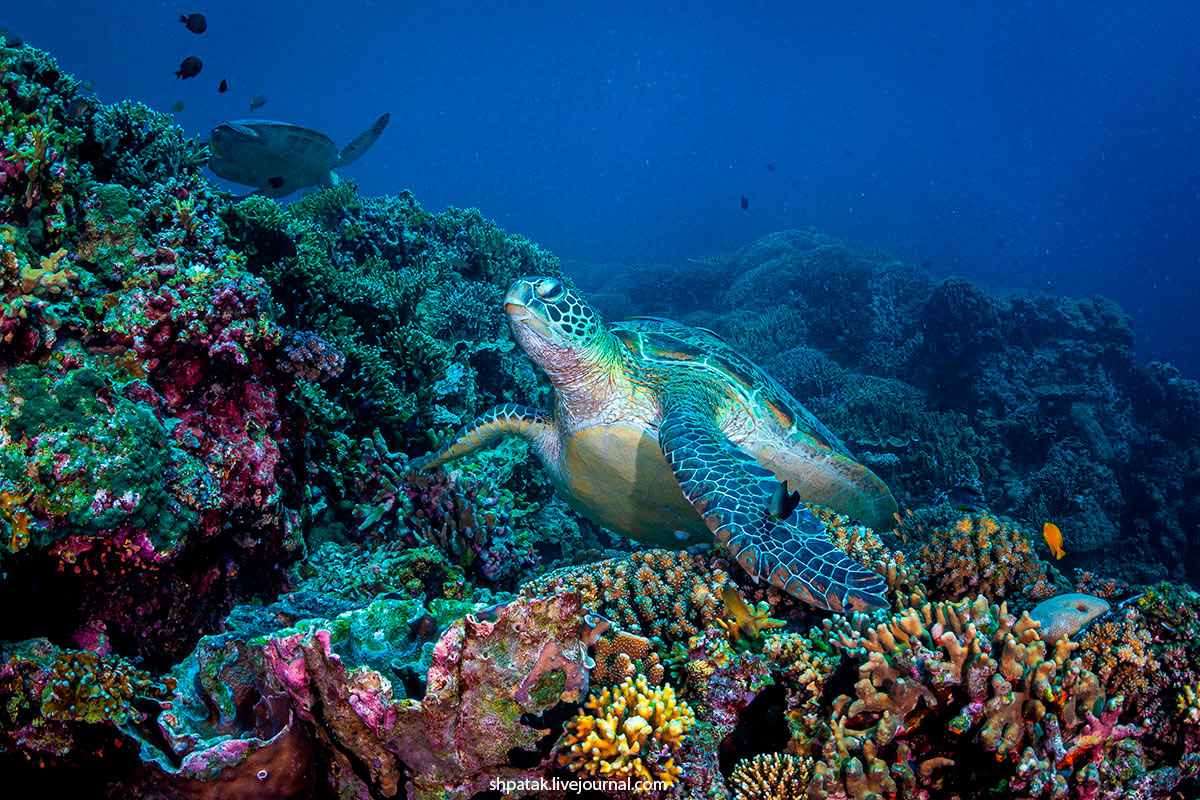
979,554
771,776
665,595
361,572
630,732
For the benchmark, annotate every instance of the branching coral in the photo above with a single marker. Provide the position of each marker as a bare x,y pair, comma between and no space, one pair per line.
661,594
771,776
936,682
620,655
632,732
980,554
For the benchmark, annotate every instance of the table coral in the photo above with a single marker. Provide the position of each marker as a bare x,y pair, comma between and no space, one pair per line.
630,732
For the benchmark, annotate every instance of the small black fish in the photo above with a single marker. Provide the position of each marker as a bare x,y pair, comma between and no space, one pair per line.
224,87
770,167
177,107
196,23
275,182
782,502
745,203
190,68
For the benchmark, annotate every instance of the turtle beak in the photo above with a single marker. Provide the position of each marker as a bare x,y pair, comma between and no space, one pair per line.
516,302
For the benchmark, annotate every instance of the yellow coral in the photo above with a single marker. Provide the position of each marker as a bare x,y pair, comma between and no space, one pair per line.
51,277
771,776
631,731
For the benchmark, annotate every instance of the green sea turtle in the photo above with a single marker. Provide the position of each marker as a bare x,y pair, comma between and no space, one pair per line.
665,433
278,158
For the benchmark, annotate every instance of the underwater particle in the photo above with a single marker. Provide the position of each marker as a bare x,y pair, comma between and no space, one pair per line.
745,203
770,167
1054,539
224,87
190,68
258,101
196,23
177,107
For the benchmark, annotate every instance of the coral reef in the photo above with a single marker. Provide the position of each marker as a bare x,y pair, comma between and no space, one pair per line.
774,776
980,554
1037,402
668,596
630,732
223,580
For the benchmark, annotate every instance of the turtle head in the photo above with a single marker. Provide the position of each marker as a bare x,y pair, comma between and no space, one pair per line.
554,325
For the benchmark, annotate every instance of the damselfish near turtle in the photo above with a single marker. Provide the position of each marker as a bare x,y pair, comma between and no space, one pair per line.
665,433
278,158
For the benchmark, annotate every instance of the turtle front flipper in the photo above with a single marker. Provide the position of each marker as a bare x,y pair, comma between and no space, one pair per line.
732,492
508,419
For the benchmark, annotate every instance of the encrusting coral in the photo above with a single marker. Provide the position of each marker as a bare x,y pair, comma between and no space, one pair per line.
632,731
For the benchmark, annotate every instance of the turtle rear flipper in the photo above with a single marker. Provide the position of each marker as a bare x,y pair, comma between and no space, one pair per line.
731,492
352,151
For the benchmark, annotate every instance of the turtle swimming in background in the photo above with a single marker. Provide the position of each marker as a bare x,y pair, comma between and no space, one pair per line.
278,158
665,433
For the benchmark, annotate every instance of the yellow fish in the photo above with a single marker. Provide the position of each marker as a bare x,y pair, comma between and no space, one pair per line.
1053,537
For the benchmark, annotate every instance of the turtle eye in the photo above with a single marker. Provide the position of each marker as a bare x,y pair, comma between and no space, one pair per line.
551,290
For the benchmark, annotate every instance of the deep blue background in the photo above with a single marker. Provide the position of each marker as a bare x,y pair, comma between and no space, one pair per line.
1053,145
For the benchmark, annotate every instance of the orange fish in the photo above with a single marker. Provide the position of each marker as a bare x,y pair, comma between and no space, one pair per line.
1053,537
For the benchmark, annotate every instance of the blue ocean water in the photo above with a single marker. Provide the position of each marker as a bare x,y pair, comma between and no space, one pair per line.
1043,145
